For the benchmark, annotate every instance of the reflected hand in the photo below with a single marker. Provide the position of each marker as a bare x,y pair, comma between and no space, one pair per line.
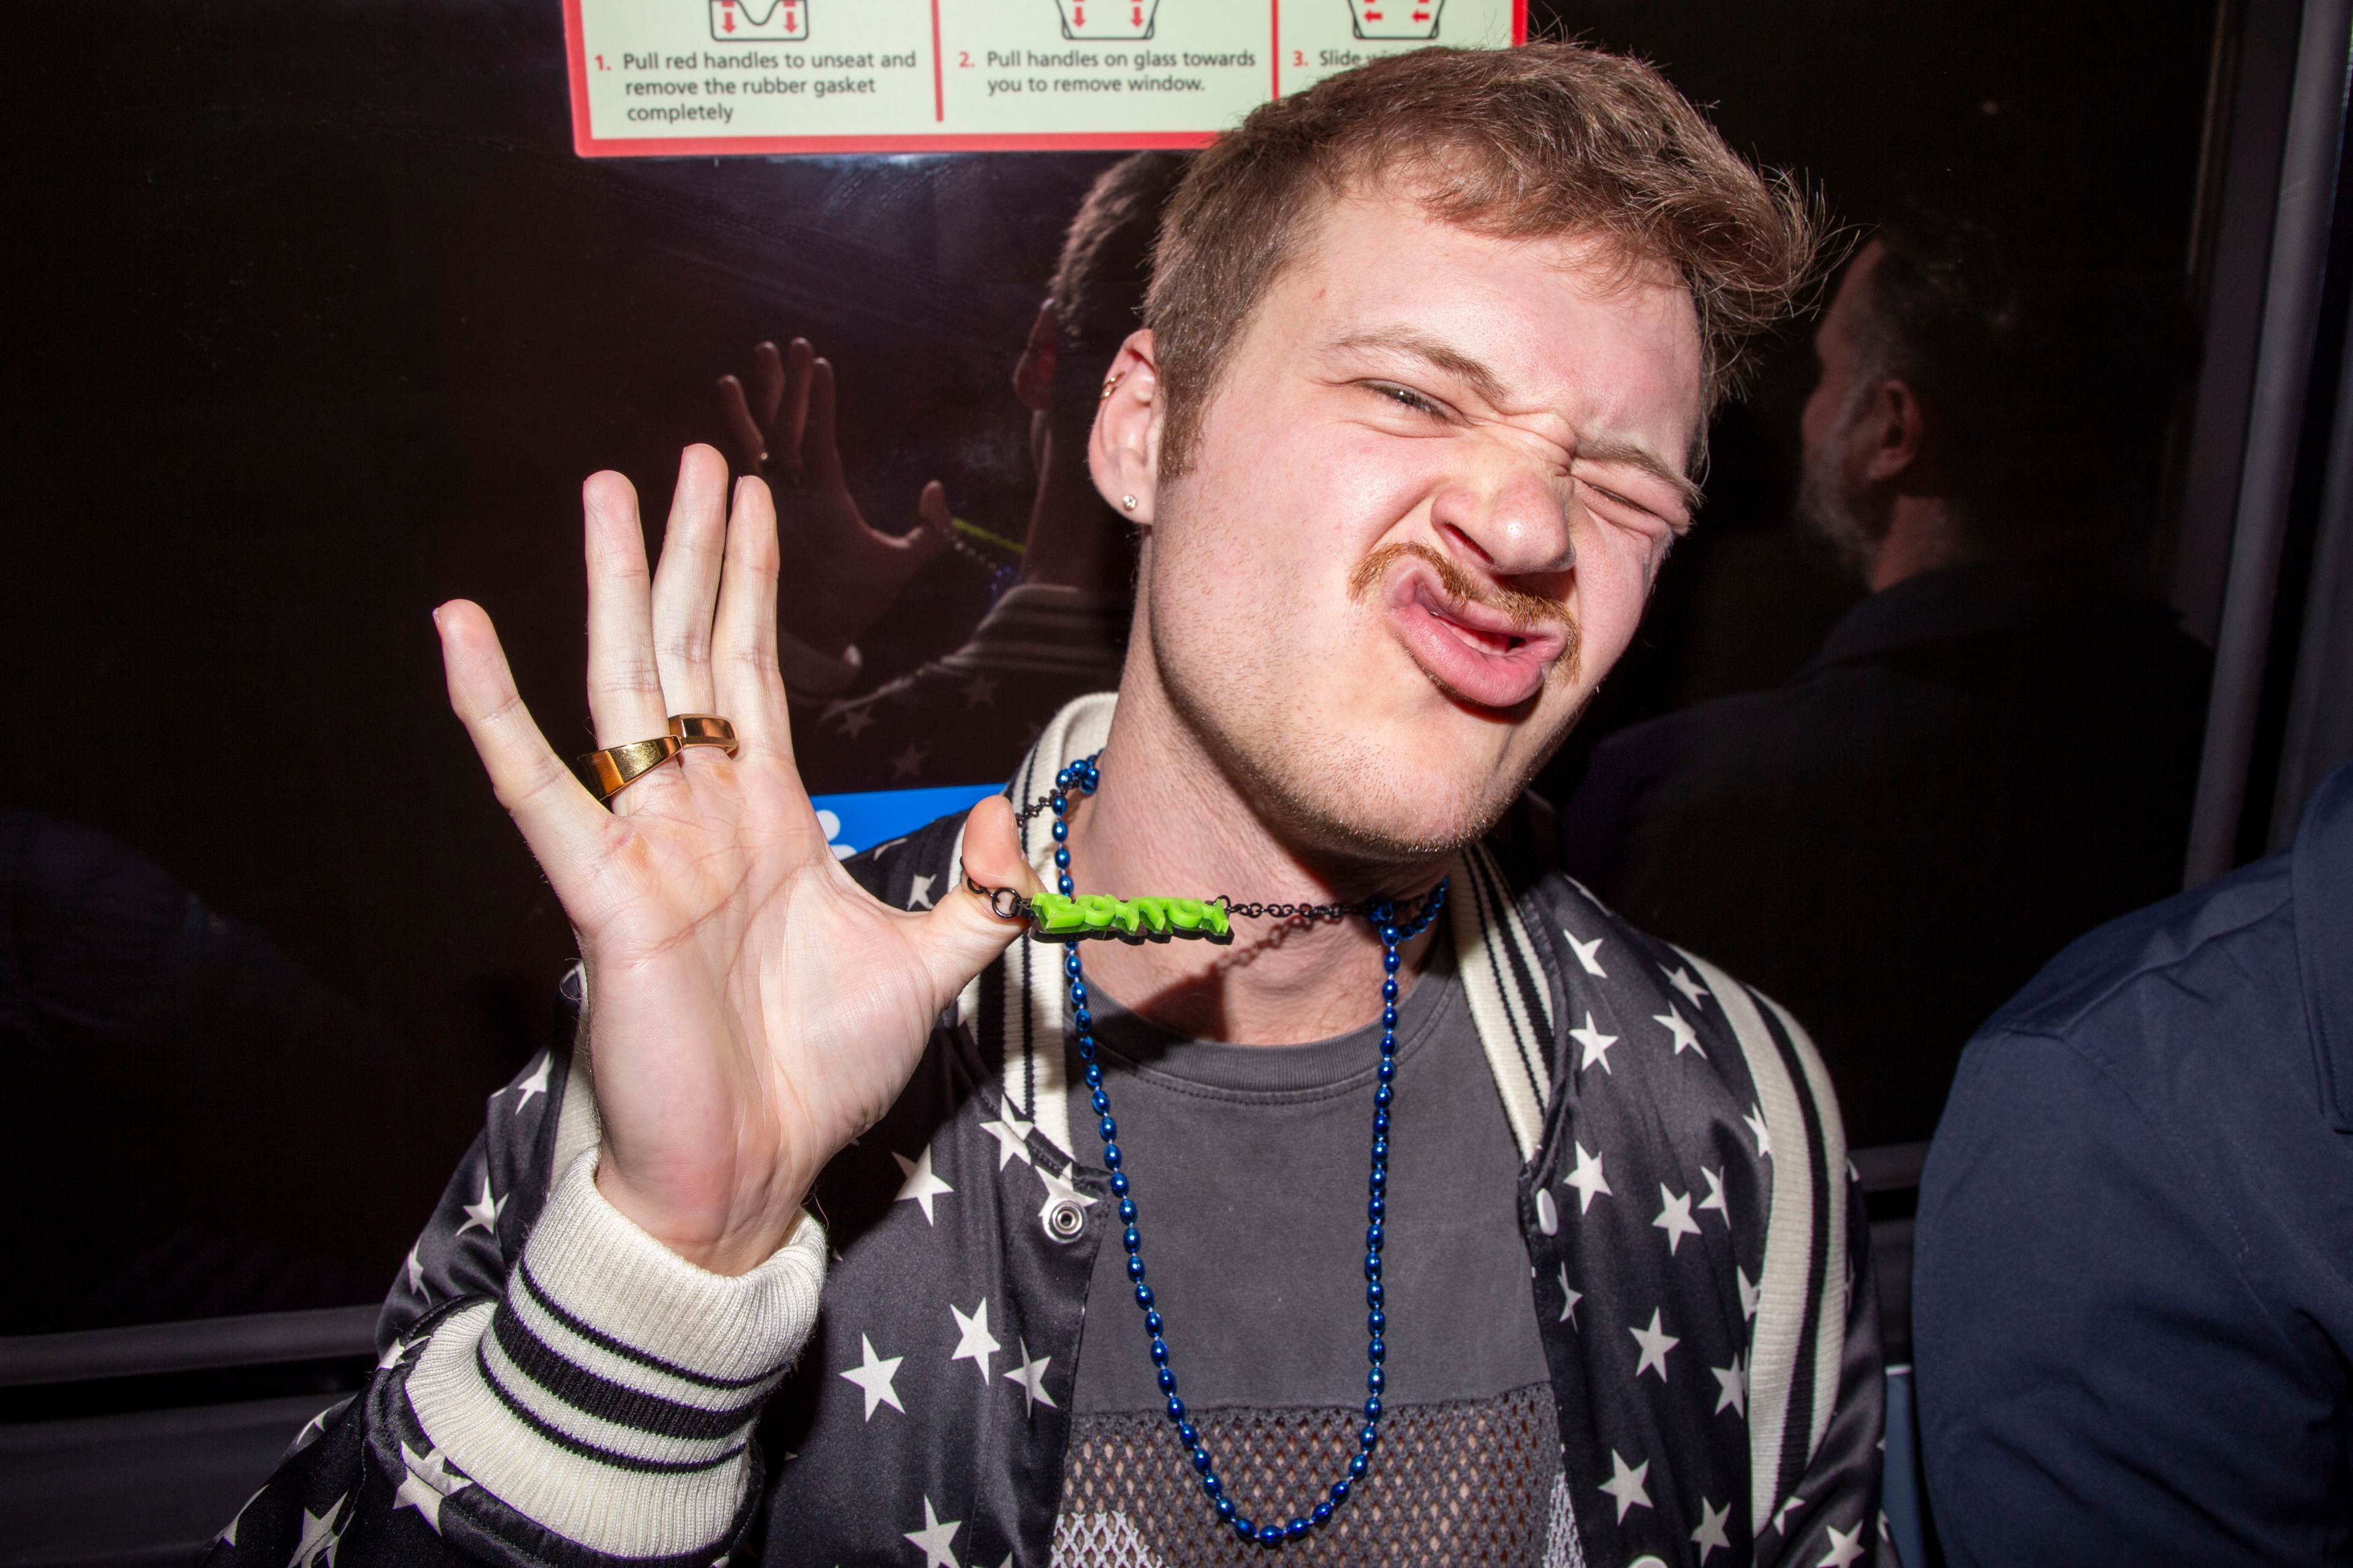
845,573
750,1009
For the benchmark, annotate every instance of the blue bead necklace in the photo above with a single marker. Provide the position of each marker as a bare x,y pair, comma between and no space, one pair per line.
1396,930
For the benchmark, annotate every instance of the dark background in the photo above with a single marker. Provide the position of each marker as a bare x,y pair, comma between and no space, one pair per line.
317,321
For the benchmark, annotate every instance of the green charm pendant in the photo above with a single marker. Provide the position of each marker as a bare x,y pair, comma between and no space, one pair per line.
1057,917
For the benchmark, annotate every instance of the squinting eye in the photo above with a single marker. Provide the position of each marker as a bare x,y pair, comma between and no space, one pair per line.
1405,396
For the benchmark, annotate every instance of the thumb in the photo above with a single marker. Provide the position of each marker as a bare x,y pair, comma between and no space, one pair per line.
962,934
937,529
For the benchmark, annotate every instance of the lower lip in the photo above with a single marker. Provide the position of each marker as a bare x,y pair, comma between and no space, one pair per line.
1447,652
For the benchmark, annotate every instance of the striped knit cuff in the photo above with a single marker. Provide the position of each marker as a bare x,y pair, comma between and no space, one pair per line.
610,1396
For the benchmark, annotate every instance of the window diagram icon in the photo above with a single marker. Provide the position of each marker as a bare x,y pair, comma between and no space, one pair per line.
1107,19
1395,18
733,19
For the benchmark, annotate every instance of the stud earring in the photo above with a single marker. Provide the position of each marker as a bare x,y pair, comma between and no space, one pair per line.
1127,501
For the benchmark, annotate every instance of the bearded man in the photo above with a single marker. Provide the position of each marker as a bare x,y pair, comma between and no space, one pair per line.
818,1242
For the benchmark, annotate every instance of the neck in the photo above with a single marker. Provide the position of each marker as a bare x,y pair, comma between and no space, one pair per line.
1168,820
1075,541
1924,533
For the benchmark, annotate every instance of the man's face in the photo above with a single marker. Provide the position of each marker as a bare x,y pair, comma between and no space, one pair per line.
1431,490
1834,498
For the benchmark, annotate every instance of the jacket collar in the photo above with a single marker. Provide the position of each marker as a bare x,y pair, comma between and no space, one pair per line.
2321,879
1962,601
1016,1007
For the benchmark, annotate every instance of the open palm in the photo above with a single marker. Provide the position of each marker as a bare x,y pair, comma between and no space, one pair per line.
749,1008
846,572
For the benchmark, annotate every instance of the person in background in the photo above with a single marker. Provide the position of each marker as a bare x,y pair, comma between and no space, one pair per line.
1060,630
1994,750
2134,1271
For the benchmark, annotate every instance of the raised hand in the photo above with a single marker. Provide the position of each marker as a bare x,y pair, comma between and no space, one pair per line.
844,573
749,1008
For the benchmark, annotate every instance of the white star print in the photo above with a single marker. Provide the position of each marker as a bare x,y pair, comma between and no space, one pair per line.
1587,1180
1568,1299
856,720
484,1211
1732,1388
1655,1342
1715,1199
392,1355
1011,1134
1780,1525
228,1536
535,1084
1710,1533
934,1539
1597,1045
1584,951
980,691
873,1379
919,892
1686,1038
1674,1217
921,1186
1749,1294
416,1272
319,1536
1846,1546
1755,1120
314,1427
1031,1377
1056,1190
909,764
975,1343
1626,1485
429,1481
1679,978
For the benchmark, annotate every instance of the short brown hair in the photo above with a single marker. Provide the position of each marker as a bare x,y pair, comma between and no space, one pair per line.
1544,139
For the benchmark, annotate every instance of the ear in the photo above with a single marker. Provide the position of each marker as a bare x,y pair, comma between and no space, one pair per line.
1124,452
1033,378
1892,432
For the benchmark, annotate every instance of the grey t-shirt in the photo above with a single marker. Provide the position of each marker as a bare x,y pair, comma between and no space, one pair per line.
1249,1166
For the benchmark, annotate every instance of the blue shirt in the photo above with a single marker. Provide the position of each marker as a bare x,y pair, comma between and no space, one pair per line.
2133,1309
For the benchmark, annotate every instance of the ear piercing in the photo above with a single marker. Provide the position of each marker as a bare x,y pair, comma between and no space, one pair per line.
1127,501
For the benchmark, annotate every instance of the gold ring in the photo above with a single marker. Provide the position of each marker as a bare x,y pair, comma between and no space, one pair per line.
703,730
609,772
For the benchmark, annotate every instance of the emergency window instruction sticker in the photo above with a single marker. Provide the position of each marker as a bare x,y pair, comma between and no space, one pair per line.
681,78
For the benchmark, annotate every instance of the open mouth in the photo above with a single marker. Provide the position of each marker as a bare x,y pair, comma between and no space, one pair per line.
1471,650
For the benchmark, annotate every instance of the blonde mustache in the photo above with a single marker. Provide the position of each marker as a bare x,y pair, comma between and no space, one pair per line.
1527,611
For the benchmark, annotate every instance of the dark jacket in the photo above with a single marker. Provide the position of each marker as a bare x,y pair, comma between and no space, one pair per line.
1983,763
2132,1303
1776,1294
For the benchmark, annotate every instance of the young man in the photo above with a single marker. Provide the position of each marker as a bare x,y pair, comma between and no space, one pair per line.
1430,356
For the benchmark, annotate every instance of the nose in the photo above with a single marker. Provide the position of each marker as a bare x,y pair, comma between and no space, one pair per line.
1510,516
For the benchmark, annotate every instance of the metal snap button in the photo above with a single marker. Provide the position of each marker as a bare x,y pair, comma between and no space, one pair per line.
1064,1220
1547,1212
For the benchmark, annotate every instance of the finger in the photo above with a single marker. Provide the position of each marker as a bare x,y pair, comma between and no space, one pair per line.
743,432
750,690
767,382
820,457
961,935
624,684
686,582
938,529
791,425
559,818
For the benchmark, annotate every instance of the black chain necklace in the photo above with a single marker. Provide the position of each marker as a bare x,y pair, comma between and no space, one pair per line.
1070,919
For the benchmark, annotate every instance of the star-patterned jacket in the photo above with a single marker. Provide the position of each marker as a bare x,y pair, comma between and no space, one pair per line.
557,1389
